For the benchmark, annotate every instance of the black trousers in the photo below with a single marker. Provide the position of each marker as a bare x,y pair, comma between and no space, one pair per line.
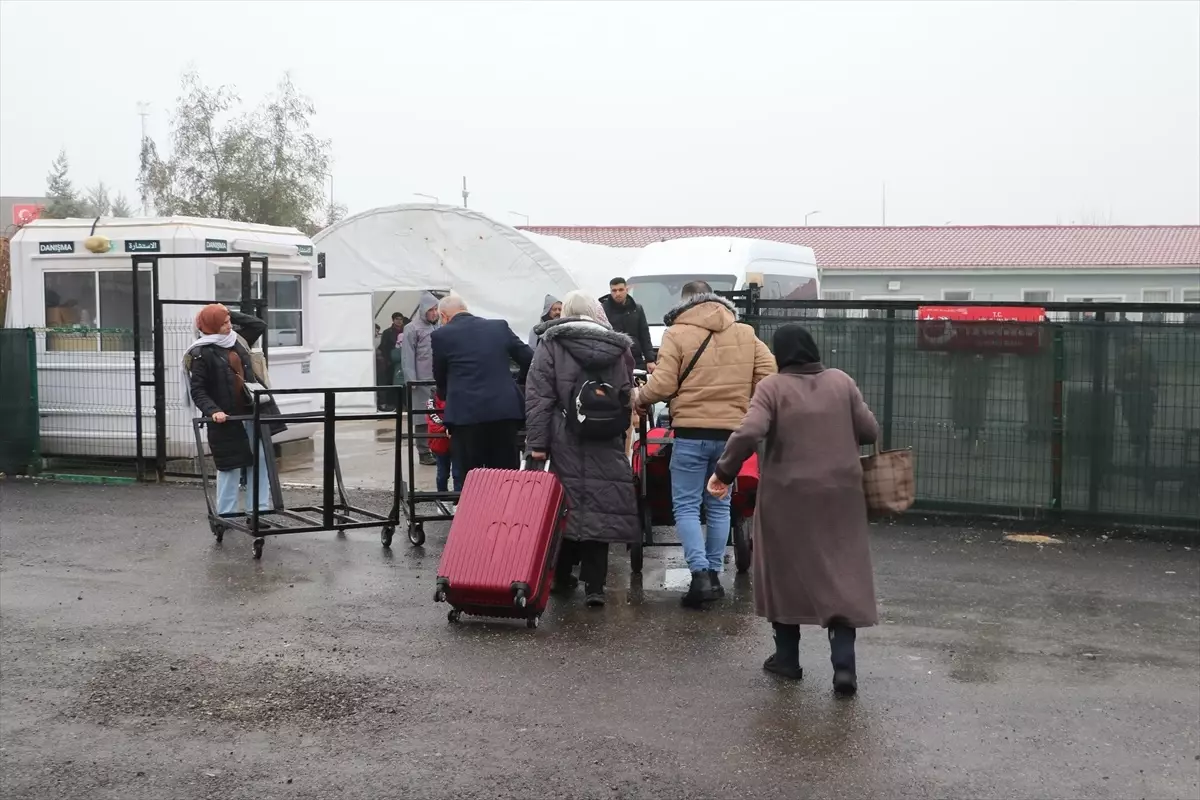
488,444
592,558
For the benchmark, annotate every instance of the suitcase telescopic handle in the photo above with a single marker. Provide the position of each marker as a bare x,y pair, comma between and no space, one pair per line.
542,464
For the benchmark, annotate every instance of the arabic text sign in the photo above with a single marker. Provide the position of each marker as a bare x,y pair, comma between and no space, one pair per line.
990,329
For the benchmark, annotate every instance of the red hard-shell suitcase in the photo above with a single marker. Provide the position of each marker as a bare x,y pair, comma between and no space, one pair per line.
500,552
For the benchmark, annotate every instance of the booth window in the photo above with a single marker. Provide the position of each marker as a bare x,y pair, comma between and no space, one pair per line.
285,307
86,301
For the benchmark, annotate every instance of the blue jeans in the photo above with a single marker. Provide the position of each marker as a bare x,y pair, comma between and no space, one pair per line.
445,465
229,480
692,464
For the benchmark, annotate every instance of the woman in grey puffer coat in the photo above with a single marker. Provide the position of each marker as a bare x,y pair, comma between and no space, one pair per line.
595,474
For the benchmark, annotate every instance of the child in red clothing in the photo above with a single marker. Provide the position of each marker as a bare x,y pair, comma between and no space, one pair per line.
440,447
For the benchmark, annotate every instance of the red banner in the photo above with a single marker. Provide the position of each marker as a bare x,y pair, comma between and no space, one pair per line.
980,329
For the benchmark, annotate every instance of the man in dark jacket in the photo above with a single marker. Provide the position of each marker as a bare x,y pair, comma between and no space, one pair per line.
390,342
629,318
484,407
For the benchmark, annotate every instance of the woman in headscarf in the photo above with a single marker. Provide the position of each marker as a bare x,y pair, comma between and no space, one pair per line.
217,368
812,557
582,360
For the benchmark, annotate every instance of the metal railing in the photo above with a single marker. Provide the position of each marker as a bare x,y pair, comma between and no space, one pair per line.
20,441
1097,417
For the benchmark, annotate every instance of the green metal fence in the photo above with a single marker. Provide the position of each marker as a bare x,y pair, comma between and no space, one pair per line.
20,450
1098,420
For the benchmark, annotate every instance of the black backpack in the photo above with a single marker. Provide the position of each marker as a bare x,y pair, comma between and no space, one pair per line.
597,410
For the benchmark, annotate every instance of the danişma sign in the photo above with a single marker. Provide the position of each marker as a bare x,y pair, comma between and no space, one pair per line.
216,246
55,248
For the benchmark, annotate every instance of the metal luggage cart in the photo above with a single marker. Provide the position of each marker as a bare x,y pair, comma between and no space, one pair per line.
412,496
444,511
335,512
659,513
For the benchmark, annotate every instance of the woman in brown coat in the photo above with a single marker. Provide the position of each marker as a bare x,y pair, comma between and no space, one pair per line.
812,558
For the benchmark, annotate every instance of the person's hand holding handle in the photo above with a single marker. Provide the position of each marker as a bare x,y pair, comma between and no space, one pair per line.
220,417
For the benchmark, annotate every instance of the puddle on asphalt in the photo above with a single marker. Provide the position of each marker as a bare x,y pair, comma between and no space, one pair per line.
677,579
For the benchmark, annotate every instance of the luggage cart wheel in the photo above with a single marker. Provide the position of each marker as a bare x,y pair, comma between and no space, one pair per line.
532,622
416,533
258,546
636,552
454,616
385,535
218,531
741,544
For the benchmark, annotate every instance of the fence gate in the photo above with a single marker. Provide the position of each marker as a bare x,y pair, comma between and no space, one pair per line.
20,440
1093,413
174,439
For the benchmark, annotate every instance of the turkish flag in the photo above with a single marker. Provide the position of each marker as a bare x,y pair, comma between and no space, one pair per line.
25,213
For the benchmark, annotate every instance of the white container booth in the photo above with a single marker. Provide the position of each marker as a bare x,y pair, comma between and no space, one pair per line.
84,302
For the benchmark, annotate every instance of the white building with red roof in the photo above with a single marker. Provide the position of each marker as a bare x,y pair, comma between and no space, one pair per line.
1038,263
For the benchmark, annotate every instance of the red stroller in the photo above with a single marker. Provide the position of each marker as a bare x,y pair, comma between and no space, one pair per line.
652,473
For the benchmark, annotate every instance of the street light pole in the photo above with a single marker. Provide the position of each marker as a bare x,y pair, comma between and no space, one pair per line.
144,112
809,214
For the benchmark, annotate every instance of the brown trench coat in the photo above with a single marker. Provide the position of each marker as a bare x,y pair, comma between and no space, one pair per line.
812,557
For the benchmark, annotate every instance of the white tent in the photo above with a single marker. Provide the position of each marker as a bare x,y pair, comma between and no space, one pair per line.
501,272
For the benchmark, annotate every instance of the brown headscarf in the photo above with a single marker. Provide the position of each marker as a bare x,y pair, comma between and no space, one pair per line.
211,318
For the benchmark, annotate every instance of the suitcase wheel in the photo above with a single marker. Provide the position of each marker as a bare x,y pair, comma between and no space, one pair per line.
454,616
532,622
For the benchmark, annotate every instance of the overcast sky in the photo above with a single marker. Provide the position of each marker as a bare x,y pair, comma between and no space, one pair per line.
679,112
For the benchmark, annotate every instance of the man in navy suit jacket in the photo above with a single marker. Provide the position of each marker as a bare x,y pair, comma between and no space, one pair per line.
484,406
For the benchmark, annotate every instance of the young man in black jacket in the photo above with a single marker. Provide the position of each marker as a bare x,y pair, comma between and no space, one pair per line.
629,318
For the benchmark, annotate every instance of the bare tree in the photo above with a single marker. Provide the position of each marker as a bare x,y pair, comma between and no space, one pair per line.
262,166
121,207
97,202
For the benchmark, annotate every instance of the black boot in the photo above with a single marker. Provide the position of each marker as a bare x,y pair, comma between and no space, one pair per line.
718,589
785,661
701,590
565,583
841,654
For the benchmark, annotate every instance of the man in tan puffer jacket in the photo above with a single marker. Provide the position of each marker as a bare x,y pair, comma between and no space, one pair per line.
707,405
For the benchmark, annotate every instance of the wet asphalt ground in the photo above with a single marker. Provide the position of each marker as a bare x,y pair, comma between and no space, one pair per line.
139,659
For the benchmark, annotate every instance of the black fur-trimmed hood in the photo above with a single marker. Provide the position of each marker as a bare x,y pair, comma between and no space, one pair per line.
579,328
671,316
588,342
